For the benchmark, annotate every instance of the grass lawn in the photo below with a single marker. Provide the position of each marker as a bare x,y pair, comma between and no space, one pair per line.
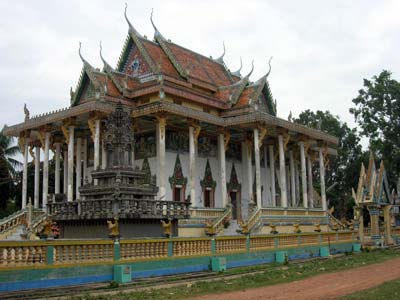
387,291
266,275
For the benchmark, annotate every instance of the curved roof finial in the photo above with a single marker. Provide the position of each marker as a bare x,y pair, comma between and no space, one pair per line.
269,63
252,69
237,73
221,58
131,28
79,51
101,54
157,32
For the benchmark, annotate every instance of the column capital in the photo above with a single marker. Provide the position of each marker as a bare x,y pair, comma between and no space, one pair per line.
69,122
96,115
262,133
282,131
227,138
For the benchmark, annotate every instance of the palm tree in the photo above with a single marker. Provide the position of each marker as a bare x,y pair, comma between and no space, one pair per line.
7,153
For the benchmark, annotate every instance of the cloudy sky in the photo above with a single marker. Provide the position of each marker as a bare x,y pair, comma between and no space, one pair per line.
321,49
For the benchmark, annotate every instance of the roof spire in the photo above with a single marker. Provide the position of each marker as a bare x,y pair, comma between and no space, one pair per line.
101,49
252,69
221,58
131,28
80,54
269,63
85,63
106,65
157,33
237,73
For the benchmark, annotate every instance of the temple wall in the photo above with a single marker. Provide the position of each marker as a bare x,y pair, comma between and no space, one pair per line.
200,170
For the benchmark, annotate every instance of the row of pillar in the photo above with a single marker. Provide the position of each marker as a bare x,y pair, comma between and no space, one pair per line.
194,130
305,163
68,158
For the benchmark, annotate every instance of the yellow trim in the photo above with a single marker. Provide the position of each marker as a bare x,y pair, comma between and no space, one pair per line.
54,243
230,238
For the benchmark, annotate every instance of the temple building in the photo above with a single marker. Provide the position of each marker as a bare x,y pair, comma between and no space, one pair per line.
196,134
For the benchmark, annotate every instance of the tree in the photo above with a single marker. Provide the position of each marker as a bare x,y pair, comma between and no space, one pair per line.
377,112
8,165
345,167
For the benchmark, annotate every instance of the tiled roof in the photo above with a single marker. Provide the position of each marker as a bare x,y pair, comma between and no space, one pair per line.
180,66
201,67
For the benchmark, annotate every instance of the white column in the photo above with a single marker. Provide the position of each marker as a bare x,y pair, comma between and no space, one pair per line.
65,167
37,178
257,163
133,147
85,158
303,175
161,156
292,179
192,165
57,169
78,165
272,169
222,168
322,176
103,155
71,163
267,188
96,142
282,172
310,182
46,169
297,181
249,171
25,175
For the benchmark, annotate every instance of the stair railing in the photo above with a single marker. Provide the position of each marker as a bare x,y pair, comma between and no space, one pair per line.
334,223
11,222
252,221
216,226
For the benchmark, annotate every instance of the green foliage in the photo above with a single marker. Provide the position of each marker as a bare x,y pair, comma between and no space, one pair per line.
387,291
343,169
113,284
377,112
8,165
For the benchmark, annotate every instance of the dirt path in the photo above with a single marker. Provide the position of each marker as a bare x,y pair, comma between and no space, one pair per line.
326,286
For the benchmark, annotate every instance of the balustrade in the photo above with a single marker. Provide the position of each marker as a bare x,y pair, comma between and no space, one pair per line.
263,242
71,252
125,207
132,250
189,247
226,245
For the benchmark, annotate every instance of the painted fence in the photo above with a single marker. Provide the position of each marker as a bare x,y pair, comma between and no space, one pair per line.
38,264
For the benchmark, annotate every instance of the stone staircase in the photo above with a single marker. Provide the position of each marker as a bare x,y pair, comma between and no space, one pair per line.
15,234
20,224
231,229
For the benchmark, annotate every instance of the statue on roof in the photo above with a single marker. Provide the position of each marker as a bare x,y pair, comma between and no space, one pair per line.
26,112
290,117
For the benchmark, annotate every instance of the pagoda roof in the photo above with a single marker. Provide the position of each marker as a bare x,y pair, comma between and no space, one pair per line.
168,68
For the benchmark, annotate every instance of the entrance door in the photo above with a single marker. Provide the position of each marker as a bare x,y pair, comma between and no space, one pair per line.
177,194
234,205
207,198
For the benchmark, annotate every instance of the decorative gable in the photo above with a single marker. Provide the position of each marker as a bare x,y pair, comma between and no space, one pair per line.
148,178
233,183
177,177
132,61
208,181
